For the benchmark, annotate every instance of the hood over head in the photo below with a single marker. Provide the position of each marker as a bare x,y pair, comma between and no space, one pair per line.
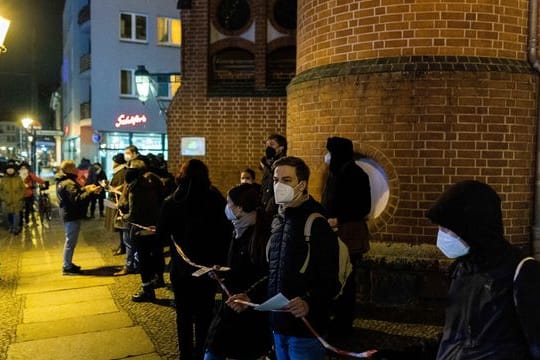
341,150
472,210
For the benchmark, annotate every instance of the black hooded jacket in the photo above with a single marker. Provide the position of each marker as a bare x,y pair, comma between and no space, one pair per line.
347,193
482,320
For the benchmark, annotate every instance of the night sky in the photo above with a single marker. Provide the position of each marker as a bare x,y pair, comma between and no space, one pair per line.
34,43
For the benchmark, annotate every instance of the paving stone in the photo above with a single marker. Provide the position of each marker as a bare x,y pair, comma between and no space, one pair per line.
100,345
66,311
67,296
83,324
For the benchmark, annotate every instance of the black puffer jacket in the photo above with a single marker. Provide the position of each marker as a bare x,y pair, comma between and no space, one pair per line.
72,198
482,321
287,253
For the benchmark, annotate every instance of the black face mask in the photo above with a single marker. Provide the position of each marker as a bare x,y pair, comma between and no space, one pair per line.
131,175
270,152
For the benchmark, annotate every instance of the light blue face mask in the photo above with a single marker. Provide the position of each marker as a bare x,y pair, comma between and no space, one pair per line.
231,216
452,246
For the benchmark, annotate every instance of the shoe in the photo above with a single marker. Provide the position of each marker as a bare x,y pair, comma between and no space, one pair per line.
118,252
158,282
147,294
124,271
101,215
73,270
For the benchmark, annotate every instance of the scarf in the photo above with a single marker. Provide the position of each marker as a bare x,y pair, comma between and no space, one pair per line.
243,223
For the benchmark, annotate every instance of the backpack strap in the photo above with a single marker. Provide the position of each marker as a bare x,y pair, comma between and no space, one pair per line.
516,274
307,237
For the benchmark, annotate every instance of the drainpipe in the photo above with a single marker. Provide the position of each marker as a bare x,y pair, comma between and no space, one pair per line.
532,57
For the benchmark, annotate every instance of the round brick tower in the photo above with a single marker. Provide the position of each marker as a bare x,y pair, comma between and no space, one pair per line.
434,91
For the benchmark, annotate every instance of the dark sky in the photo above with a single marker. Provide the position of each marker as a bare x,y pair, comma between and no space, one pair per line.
33,60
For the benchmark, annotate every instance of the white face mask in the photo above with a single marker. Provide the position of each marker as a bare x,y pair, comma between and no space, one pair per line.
327,158
23,173
283,193
127,157
452,246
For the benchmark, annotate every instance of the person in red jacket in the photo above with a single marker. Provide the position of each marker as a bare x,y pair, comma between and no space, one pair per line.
30,180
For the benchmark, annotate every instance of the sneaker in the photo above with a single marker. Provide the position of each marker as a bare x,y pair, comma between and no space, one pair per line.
73,270
145,295
124,271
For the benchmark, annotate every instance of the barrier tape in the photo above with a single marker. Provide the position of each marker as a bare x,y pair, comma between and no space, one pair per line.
325,344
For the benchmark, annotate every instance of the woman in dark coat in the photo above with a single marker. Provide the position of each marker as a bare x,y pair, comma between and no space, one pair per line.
193,218
244,335
489,315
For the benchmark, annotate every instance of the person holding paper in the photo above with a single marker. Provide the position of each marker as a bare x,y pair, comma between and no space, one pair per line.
244,335
311,292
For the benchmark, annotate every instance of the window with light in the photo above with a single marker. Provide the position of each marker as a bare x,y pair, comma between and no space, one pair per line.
169,31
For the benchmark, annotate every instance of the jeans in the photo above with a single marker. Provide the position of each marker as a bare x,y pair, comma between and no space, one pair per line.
14,222
298,348
72,229
209,356
132,258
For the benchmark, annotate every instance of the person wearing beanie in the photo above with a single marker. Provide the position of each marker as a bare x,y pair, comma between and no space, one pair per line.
347,197
491,314
12,194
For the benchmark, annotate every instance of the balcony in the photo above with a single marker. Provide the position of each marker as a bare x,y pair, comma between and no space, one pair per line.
85,63
84,15
86,112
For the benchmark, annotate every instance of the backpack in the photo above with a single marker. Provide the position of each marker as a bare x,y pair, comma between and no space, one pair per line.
345,266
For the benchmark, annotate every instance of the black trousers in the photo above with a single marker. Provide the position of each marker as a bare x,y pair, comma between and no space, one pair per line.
344,306
28,209
194,299
151,259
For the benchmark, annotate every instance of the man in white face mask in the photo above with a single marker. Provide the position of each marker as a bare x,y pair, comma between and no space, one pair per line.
310,292
491,313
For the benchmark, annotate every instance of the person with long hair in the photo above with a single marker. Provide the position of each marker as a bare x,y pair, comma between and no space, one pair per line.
193,219
245,335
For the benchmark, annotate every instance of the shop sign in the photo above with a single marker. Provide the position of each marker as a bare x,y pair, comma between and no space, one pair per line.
130,120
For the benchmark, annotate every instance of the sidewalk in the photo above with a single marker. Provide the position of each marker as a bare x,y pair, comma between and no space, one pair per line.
50,316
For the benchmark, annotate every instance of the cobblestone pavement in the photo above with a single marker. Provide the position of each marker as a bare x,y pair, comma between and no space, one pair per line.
395,340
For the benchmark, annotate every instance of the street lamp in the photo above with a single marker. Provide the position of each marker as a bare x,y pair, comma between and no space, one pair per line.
4,26
146,84
30,126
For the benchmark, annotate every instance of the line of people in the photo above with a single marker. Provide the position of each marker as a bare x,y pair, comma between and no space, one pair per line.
259,233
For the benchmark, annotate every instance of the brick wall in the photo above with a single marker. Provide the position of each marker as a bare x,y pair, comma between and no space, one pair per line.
332,31
234,127
427,129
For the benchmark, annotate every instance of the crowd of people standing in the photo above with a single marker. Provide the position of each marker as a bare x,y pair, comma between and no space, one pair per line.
251,245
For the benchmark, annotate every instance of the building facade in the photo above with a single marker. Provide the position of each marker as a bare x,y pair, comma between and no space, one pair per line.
104,42
238,59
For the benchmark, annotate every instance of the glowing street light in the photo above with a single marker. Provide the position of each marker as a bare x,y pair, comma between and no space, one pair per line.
27,122
4,26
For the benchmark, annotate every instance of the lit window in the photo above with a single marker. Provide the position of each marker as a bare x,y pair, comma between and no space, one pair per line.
169,31
133,27
167,87
127,82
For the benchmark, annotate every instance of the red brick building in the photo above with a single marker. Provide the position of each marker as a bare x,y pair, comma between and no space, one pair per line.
235,69
434,91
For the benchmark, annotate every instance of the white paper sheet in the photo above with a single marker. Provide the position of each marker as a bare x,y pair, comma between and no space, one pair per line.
274,303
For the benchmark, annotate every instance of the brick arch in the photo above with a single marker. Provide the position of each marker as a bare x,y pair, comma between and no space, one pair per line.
231,43
270,11
279,43
213,18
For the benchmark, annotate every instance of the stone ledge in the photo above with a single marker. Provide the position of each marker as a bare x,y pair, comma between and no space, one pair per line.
416,64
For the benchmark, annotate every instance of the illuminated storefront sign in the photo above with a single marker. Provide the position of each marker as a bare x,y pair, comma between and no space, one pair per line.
130,120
